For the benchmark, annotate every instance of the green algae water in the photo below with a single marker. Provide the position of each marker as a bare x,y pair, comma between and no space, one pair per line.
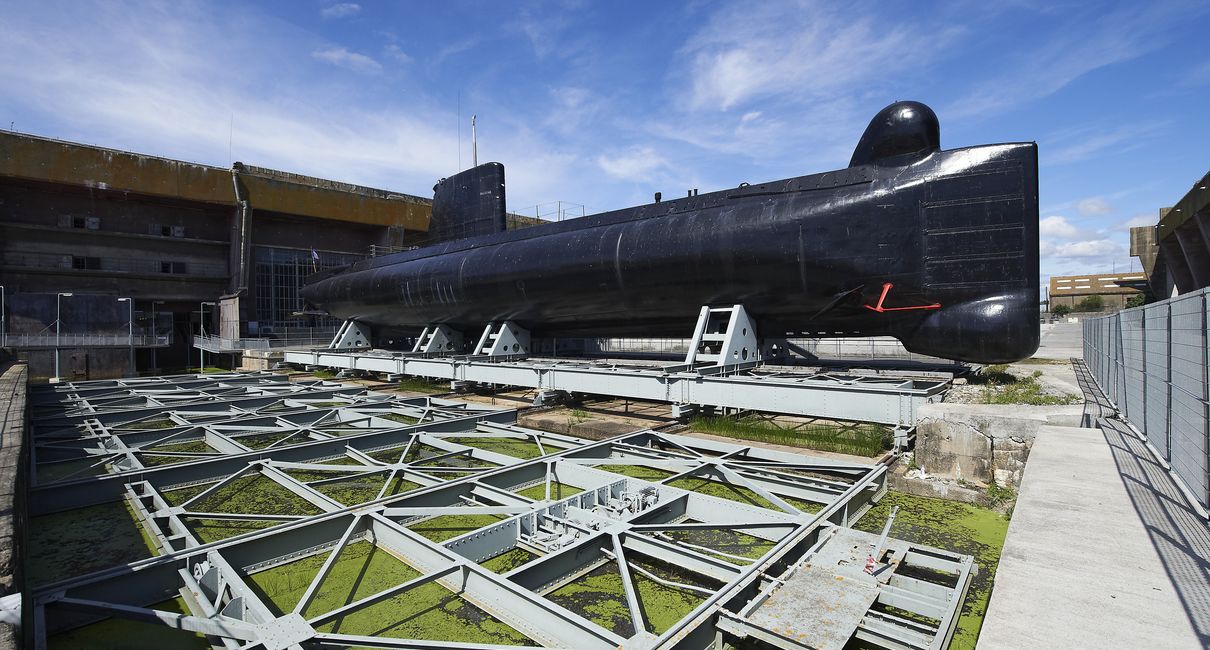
129,635
428,611
74,542
637,471
953,526
557,491
508,446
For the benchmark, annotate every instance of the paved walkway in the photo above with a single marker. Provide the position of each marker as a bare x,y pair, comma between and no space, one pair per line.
1101,552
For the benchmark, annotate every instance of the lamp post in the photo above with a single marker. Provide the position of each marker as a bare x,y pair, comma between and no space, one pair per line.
3,324
58,296
130,332
155,340
201,352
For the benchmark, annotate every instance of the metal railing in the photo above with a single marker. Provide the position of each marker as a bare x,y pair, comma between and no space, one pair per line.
122,265
295,337
45,340
1152,363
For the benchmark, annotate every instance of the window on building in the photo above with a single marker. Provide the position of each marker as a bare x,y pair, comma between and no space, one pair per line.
172,267
86,263
280,273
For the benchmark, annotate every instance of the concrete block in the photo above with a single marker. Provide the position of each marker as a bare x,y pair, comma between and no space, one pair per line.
983,442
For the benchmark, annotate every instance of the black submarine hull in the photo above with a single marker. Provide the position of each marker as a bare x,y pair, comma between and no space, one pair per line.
936,248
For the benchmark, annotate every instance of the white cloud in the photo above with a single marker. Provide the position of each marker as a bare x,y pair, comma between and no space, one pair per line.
1081,144
1144,219
1095,206
634,164
1089,248
749,116
748,52
395,52
349,60
1057,226
340,10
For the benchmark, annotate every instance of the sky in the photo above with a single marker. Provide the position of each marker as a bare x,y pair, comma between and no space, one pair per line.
600,104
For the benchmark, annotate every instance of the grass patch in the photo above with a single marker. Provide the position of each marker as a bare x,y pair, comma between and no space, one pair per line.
438,529
422,385
213,530
74,542
514,447
857,439
397,417
1024,391
133,635
323,374
363,488
263,440
957,527
557,491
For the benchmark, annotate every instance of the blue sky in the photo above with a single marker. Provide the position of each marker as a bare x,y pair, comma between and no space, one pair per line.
602,104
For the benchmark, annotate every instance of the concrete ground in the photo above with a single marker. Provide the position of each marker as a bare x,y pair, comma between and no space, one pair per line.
1061,341
1101,552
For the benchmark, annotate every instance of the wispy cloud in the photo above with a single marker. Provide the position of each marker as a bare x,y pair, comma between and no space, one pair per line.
393,51
635,164
1085,142
1085,42
349,60
1094,206
340,10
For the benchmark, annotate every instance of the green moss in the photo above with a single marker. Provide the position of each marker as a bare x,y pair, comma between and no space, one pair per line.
419,454
323,374
328,404
856,439
441,528
83,540
133,635
557,491
953,526
397,417
195,446
507,446
724,490
638,471
508,560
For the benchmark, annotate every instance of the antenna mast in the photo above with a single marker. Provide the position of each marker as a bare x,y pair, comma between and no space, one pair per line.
474,145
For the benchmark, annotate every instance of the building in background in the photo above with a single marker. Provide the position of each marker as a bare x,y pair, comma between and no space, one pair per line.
1176,251
1107,292
169,236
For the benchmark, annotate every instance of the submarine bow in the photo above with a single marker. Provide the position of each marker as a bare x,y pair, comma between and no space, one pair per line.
938,248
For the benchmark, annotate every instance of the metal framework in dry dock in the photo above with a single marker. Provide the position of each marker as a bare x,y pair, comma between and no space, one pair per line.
488,535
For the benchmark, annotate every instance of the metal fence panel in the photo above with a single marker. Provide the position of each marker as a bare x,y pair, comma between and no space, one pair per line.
1153,362
1188,369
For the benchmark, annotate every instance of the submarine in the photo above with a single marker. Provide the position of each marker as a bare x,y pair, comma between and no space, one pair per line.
937,248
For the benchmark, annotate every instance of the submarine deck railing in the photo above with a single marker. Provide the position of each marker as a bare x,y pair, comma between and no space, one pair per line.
838,396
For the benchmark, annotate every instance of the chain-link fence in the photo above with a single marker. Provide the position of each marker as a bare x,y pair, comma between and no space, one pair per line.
1152,363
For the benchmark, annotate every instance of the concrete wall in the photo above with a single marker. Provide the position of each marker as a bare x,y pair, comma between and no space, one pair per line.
13,463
